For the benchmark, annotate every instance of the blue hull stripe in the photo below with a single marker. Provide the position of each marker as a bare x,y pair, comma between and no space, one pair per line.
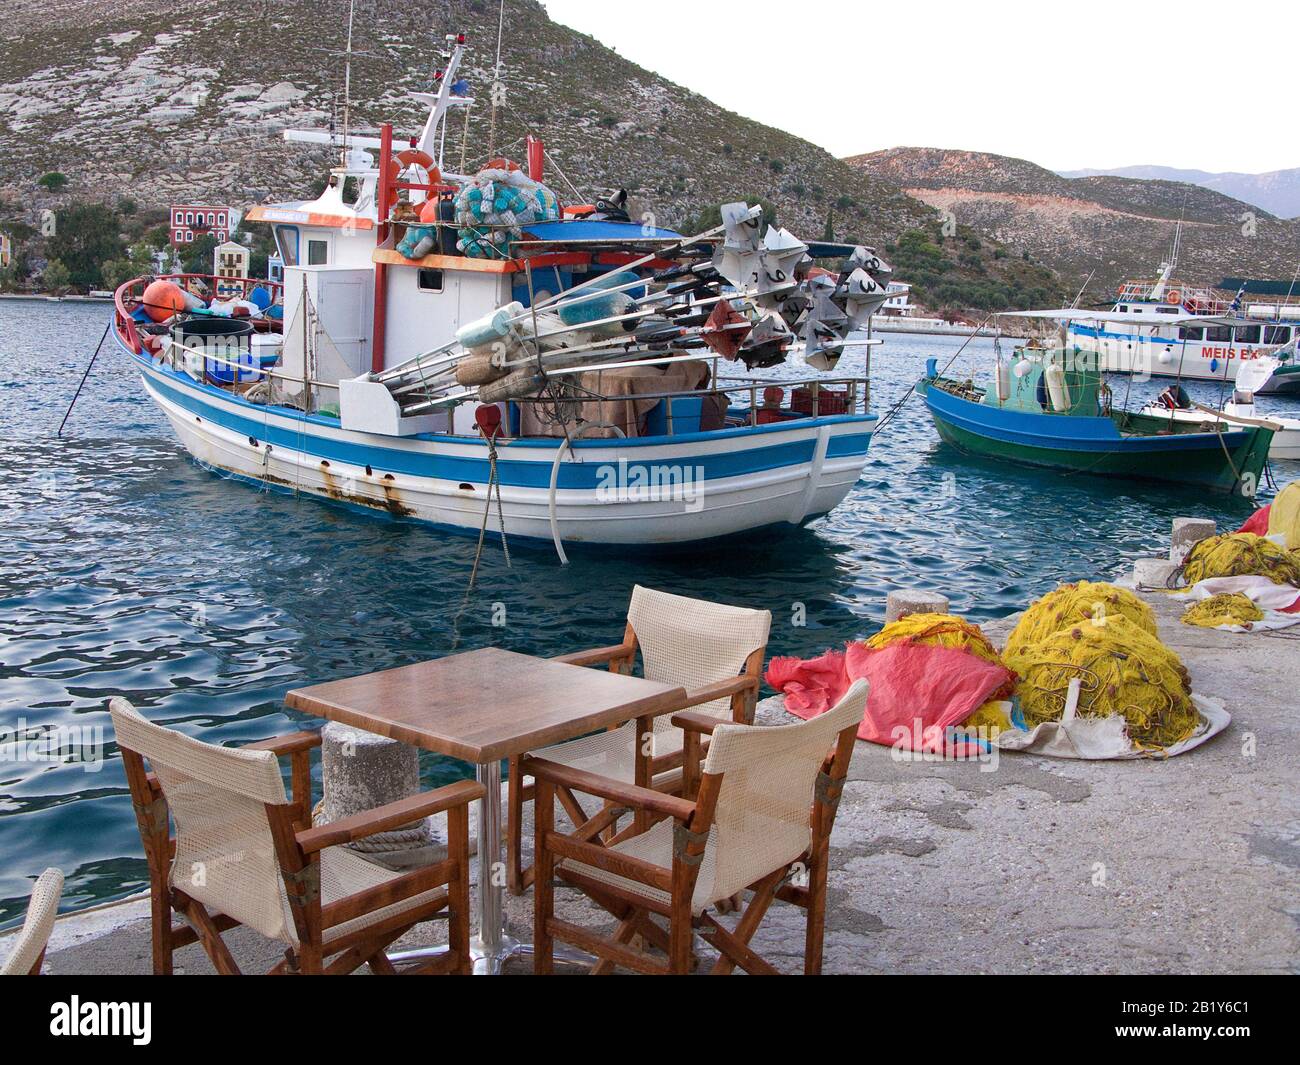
526,474
1050,430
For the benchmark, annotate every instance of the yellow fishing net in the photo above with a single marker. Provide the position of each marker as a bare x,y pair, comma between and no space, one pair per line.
1284,515
1238,555
993,716
1071,604
1231,609
1122,669
941,630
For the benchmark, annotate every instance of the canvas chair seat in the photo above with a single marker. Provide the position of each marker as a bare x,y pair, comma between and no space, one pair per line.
343,872
656,846
613,753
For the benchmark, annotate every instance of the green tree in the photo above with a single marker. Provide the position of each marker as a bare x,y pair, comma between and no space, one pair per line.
116,271
828,234
56,277
85,237
196,256
53,181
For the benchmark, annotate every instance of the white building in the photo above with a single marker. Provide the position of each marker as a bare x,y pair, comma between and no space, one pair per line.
230,265
897,304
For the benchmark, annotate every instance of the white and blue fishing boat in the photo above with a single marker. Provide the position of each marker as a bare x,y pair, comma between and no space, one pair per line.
465,350
1164,327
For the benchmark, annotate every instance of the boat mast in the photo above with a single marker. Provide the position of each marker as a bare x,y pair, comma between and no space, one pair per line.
1167,268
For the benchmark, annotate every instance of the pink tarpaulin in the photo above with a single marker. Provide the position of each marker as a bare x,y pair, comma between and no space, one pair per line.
811,685
1257,523
917,691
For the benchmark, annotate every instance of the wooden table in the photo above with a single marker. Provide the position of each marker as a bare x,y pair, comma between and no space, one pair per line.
484,706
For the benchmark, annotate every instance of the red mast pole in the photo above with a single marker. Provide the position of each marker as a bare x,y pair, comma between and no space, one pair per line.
384,209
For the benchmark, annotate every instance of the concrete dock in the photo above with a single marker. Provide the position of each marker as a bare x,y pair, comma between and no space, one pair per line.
1034,865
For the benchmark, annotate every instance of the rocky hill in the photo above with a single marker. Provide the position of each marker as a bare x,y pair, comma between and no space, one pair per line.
166,101
1276,191
159,103
1120,227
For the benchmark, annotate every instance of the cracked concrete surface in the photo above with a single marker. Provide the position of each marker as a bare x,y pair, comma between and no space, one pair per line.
1038,866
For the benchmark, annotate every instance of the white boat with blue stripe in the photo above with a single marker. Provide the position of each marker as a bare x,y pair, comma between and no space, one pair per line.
465,350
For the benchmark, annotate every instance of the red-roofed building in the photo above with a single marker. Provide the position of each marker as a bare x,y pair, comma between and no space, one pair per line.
194,220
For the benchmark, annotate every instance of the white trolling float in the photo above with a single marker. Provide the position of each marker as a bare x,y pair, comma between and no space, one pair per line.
455,348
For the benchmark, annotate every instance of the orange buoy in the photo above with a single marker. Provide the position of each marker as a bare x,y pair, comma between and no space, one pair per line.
429,212
162,300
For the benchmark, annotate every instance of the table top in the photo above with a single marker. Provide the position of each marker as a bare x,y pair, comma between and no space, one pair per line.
482,706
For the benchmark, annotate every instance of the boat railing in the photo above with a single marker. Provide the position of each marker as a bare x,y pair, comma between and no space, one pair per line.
132,292
815,397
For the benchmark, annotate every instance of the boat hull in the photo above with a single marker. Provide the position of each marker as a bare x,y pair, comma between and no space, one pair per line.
1166,356
1230,462
661,490
1286,441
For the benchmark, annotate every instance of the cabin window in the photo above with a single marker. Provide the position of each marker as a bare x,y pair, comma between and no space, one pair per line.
318,252
1277,334
1248,334
1123,309
430,280
1219,334
1169,310
1191,332
286,239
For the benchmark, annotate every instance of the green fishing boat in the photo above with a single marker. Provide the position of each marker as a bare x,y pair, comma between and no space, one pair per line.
1051,407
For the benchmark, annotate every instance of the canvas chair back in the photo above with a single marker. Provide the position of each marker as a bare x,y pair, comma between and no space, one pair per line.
225,853
762,819
42,909
691,642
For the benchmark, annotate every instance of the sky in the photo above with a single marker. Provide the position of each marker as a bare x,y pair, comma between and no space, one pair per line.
1065,85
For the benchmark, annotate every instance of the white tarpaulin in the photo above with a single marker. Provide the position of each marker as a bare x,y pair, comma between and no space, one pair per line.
1105,738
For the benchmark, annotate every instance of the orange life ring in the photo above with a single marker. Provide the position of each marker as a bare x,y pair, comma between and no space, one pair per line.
1174,296
413,157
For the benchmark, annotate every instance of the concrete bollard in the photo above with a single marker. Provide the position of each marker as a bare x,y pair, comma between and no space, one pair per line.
904,601
1188,532
1150,573
361,771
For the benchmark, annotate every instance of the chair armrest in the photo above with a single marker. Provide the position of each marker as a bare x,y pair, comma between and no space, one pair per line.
596,655
704,724
289,744
656,802
386,818
720,690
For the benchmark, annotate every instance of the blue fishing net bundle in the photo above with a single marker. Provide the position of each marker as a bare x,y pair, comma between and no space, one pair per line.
492,209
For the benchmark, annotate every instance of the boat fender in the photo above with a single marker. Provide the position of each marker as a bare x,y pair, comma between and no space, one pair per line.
611,305
163,299
1214,366
1022,367
513,386
482,332
477,369
1165,357
1057,388
1002,376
